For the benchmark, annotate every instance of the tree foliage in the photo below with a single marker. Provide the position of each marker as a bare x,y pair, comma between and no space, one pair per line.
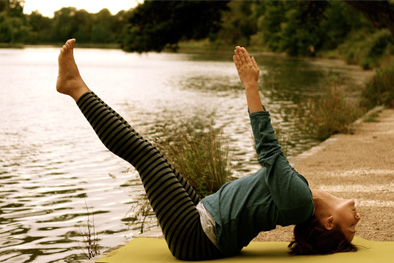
68,22
295,27
40,28
154,25
304,27
12,21
238,25
379,13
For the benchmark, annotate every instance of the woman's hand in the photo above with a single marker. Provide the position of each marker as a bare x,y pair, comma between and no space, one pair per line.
247,68
248,72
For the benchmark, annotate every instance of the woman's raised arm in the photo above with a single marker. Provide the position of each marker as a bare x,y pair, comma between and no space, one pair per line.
248,72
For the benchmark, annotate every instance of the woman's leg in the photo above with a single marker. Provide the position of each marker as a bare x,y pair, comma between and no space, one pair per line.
171,198
190,191
175,210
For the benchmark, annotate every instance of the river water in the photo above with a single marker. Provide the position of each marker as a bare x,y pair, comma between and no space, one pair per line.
53,169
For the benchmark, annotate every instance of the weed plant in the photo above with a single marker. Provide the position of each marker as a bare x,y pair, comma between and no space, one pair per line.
90,237
372,117
200,156
139,212
322,116
380,89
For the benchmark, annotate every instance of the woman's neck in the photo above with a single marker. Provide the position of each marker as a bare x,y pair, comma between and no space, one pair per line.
324,201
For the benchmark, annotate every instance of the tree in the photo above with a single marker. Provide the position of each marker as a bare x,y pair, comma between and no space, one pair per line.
63,27
15,8
302,34
12,7
82,21
13,27
3,5
237,23
101,30
307,27
270,18
69,22
40,28
119,24
379,13
155,24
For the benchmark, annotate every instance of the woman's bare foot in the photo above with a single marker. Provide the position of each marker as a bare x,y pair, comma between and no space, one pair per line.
69,81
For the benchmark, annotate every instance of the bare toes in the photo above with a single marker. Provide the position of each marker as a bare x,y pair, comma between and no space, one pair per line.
71,42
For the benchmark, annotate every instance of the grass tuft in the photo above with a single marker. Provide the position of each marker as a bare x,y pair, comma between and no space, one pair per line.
372,117
380,89
90,237
200,156
331,113
139,212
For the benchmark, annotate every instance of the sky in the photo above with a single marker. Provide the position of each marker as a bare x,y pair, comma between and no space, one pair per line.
48,7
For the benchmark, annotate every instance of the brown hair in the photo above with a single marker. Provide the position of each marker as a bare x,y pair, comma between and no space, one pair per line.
311,237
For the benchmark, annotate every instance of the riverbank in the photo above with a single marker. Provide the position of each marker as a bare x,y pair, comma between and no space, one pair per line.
357,166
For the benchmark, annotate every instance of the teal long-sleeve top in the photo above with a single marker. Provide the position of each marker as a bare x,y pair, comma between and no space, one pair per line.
276,195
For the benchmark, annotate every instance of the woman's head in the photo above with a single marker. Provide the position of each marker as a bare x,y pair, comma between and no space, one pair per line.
334,212
331,229
345,216
313,237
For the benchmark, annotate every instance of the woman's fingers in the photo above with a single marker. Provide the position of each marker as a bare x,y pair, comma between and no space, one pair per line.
255,64
239,53
236,55
245,55
241,57
236,61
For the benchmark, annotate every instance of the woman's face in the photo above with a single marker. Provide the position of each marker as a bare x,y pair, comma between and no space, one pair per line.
346,217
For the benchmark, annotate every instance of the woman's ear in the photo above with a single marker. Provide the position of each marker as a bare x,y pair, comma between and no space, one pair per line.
329,223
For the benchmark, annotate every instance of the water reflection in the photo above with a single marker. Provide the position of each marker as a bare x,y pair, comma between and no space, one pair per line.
52,165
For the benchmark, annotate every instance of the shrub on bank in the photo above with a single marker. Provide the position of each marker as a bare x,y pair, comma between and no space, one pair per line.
322,116
368,50
380,89
200,157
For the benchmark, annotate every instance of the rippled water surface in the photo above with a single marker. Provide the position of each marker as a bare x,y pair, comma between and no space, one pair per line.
52,166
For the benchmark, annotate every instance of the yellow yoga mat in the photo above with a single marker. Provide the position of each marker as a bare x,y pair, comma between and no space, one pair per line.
147,250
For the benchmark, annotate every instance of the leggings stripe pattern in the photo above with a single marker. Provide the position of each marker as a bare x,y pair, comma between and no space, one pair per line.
173,200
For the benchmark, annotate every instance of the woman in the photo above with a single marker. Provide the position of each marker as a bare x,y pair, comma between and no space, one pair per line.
221,224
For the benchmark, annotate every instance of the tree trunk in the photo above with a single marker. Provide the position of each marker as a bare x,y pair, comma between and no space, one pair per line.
379,13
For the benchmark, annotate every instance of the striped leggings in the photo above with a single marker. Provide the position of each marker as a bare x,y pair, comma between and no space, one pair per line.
173,200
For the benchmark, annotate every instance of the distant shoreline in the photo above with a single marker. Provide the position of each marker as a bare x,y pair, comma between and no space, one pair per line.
80,45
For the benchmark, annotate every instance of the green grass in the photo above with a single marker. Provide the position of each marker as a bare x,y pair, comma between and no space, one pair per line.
371,117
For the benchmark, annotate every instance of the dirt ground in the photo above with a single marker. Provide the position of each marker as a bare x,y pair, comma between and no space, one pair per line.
357,166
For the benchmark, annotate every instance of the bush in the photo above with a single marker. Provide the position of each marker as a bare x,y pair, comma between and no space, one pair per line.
199,156
380,89
322,116
366,49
